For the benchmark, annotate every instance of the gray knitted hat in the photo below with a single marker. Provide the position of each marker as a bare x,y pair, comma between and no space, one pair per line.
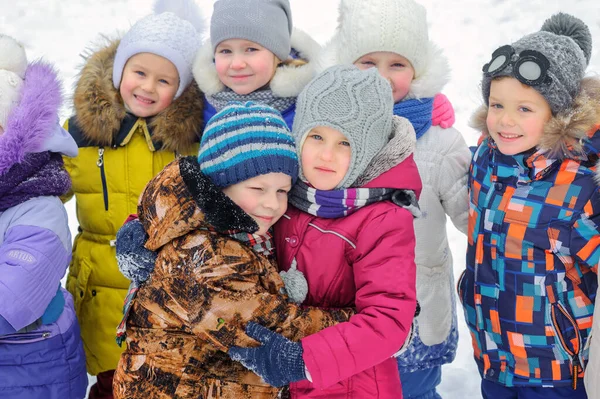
567,44
174,36
266,22
357,103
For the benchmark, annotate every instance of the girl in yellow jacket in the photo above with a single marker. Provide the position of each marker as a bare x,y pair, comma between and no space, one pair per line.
136,109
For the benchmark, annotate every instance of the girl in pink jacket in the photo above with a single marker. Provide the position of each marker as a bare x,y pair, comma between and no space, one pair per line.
350,232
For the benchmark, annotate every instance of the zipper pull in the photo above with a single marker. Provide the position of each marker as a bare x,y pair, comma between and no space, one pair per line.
575,371
100,160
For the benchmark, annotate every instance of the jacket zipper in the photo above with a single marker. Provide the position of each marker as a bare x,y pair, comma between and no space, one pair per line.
24,338
460,281
574,356
100,164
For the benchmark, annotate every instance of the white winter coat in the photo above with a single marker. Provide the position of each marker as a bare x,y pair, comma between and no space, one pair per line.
443,159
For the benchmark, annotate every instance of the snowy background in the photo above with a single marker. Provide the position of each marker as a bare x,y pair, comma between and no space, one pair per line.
468,31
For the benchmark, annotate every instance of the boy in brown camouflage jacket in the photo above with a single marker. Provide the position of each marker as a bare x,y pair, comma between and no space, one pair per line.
209,220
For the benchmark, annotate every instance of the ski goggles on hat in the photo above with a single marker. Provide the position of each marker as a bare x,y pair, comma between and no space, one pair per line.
530,67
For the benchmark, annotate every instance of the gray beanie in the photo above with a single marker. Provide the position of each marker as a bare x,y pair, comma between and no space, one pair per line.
266,22
567,44
174,35
357,103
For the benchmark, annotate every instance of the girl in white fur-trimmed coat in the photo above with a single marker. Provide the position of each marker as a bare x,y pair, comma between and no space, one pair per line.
254,54
391,35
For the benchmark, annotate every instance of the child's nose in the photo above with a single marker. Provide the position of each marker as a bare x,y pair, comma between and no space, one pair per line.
326,154
271,202
238,63
148,86
384,73
506,119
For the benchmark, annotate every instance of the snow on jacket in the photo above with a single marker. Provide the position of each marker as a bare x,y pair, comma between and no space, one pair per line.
118,154
204,289
289,80
364,260
42,357
529,287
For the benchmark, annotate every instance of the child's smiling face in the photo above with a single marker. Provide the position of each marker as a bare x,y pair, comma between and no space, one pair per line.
394,67
244,66
149,84
516,116
263,197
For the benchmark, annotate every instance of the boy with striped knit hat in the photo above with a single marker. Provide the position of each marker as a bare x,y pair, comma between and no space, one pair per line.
209,218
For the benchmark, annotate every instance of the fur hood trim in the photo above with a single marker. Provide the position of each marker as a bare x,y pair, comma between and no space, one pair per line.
565,133
34,118
402,144
436,70
288,81
100,110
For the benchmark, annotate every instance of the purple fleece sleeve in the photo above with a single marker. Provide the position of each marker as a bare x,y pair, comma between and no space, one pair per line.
34,255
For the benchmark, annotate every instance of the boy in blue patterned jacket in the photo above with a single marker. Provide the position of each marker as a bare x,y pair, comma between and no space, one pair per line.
529,288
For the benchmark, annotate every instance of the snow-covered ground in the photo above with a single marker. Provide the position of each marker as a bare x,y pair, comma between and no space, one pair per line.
468,31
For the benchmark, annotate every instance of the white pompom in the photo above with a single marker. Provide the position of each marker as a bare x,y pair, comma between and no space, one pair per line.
10,94
12,56
185,9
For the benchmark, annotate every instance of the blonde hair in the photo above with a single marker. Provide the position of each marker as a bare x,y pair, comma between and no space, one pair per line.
294,62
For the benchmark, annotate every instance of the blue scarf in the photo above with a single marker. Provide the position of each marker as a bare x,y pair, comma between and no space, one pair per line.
418,112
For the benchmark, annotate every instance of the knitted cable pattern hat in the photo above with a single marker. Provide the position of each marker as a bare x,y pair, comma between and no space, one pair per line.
567,44
266,22
172,32
398,26
245,140
359,104
13,63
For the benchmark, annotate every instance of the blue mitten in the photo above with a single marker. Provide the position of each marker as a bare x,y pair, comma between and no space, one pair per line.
135,261
278,361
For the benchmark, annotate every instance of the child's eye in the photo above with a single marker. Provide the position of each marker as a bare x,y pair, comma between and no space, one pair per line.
252,49
140,73
345,143
524,109
256,188
224,51
316,137
164,81
370,63
398,65
282,191
496,106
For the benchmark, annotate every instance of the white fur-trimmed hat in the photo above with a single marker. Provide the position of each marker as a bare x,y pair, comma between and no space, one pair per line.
13,63
397,26
172,32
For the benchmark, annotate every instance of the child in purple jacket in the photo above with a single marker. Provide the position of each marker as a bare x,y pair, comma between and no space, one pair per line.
41,354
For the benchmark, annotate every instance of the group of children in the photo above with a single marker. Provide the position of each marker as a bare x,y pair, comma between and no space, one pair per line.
272,213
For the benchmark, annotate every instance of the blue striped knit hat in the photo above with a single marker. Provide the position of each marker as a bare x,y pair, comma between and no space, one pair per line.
245,140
